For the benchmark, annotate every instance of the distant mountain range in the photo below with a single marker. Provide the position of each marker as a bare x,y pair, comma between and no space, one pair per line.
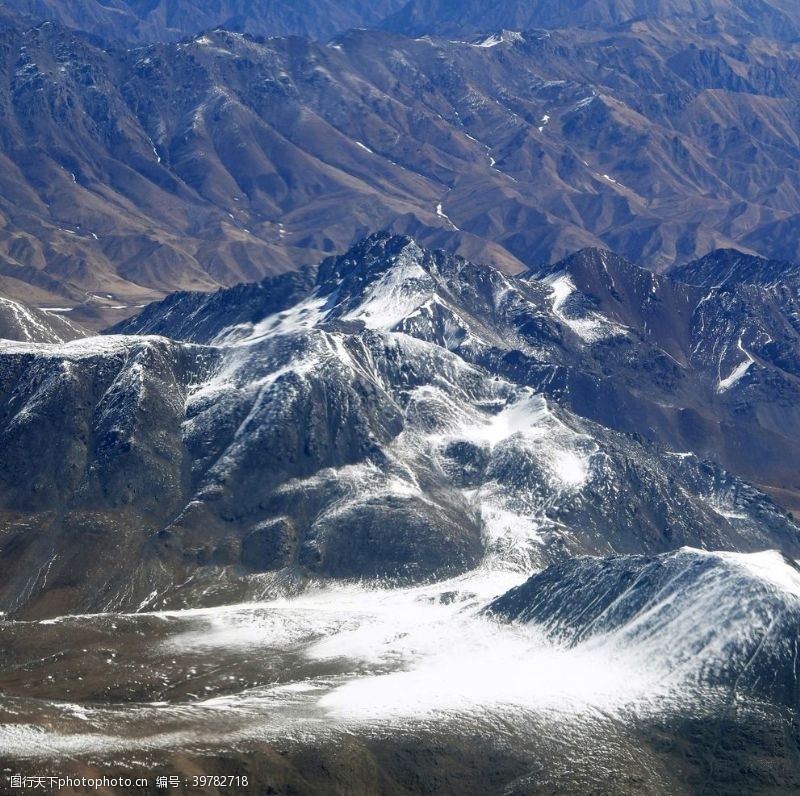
130,173
777,19
146,21
166,20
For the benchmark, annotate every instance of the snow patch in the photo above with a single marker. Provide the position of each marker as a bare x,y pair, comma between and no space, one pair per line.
769,566
589,326
440,212
738,372
301,317
404,288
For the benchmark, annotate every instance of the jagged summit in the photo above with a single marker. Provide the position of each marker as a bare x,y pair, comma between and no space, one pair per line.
730,267
383,281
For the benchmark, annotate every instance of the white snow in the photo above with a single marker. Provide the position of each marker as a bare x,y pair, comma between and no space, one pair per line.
457,663
393,658
527,431
527,417
512,537
490,41
531,423
563,287
589,326
440,212
769,567
302,316
570,468
499,38
26,322
419,656
738,372
396,294
101,345
396,658
709,624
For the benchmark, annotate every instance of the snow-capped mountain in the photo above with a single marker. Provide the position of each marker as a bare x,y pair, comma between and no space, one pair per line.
718,620
395,413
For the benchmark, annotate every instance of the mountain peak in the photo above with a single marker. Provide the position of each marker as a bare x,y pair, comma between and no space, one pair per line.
373,395
369,257
730,267
596,271
590,258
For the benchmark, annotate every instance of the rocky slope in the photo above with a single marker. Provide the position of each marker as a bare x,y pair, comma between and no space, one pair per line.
26,324
778,19
395,413
221,159
714,620
731,268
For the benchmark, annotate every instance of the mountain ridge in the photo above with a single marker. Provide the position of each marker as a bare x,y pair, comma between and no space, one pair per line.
779,20
139,22
217,160
491,418
133,21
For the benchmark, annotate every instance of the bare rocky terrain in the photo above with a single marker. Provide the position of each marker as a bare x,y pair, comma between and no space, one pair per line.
223,158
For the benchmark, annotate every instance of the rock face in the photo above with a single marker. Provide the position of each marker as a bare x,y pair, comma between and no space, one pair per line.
720,620
132,173
394,413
